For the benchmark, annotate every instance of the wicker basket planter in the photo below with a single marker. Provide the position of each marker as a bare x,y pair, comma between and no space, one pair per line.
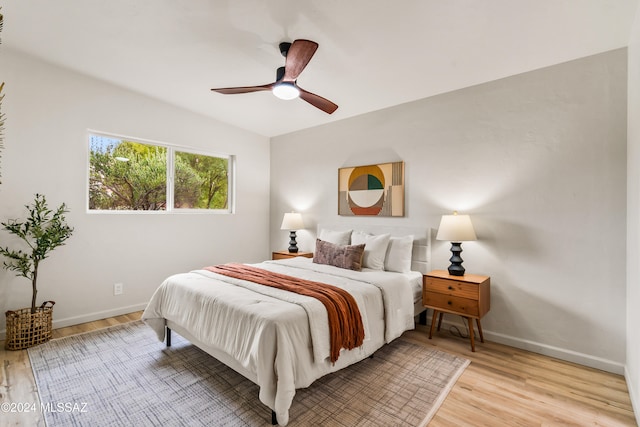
26,329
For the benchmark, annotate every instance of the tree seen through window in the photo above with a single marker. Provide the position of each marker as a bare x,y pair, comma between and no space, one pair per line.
130,175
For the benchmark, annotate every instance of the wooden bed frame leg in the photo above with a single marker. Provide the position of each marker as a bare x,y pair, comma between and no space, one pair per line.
274,419
168,335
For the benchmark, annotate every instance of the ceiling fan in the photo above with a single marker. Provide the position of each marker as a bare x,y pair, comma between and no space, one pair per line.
297,56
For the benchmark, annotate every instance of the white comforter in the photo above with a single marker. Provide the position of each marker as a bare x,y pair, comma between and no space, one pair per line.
278,339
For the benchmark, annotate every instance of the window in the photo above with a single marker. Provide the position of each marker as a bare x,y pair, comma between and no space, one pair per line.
132,175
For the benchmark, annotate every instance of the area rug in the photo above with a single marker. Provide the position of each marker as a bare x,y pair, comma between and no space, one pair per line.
123,376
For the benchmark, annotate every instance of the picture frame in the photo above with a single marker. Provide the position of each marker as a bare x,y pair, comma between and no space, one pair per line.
371,190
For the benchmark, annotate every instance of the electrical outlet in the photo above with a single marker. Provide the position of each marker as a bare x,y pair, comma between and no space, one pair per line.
118,288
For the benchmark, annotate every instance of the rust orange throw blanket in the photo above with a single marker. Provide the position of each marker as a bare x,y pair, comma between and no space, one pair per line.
345,323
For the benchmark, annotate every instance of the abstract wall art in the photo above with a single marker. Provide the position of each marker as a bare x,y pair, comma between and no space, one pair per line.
373,190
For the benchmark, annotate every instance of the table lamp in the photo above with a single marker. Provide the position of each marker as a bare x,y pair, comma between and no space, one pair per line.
456,229
292,221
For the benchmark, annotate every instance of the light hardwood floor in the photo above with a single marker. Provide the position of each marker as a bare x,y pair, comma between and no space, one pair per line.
502,386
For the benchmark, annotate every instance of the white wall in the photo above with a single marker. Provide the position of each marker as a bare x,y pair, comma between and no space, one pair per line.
48,111
539,162
633,213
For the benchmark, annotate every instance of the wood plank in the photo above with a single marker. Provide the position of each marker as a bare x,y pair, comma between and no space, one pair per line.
508,386
18,386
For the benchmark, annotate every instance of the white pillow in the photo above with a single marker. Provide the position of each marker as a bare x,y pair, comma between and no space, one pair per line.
341,238
399,254
375,248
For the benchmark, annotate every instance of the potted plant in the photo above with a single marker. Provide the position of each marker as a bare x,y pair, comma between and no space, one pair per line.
43,231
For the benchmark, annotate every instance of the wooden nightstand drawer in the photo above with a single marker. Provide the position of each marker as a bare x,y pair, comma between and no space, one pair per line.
451,287
463,306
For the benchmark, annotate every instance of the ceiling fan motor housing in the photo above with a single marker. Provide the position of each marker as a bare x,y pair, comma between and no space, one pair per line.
284,48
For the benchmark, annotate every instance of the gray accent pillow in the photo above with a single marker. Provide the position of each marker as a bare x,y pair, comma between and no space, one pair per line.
348,257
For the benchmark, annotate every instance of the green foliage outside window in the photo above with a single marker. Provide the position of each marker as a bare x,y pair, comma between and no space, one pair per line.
128,175
201,181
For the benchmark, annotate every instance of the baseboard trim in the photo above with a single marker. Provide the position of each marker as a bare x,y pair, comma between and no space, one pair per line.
90,317
551,351
632,393
557,352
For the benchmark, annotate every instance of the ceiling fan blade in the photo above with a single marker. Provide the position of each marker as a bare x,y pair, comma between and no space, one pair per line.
318,101
299,54
245,89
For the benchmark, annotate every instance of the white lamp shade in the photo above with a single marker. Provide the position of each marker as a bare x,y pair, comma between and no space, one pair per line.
456,228
292,221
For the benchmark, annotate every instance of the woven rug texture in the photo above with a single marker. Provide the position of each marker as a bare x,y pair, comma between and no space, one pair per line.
123,376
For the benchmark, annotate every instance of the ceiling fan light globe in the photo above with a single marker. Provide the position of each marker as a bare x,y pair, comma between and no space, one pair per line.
286,91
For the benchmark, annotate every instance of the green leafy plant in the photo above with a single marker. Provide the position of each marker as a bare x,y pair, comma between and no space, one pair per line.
43,231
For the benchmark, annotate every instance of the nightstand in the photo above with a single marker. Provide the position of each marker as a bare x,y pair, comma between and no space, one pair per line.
468,296
287,254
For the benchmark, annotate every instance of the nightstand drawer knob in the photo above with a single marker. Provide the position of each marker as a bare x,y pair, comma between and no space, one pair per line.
449,302
450,288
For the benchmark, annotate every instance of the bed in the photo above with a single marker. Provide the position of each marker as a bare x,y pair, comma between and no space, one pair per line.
278,339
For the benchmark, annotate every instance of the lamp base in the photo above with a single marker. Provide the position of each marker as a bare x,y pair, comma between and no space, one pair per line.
293,245
456,268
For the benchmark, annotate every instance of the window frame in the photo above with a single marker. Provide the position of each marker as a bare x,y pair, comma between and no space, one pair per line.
170,190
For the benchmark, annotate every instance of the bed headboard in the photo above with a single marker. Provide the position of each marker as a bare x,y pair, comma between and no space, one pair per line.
421,256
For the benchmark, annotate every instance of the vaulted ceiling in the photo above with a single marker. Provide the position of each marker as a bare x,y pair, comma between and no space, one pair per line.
373,54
